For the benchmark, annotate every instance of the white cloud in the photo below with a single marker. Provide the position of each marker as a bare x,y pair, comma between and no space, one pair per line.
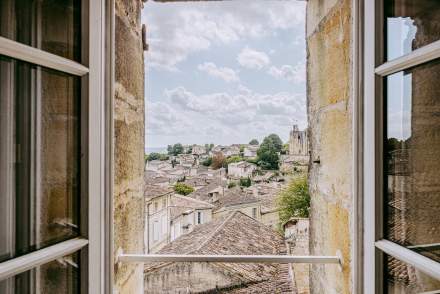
296,74
253,59
177,30
225,73
224,117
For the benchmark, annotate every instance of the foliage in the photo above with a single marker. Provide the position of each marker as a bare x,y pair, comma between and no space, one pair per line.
241,148
232,185
285,149
183,189
254,142
218,161
176,149
245,182
207,161
268,152
233,159
190,150
276,141
156,156
294,200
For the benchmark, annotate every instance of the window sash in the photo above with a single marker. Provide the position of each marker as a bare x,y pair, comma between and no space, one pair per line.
374,69
96,83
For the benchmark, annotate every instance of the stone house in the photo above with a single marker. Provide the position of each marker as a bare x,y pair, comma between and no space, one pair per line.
237,199
241,169
232,234
296,234
156,165
167,216
267,194
186,213
98,46
187,160
250,151
157,217
198,150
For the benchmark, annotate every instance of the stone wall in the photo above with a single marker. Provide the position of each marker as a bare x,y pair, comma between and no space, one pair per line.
129,144
329,101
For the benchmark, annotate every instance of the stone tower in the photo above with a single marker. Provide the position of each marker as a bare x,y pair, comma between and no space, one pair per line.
298,142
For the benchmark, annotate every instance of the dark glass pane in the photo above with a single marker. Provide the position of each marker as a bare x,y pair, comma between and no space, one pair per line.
410,24
39,157
412,159
401,278
57,277
50,25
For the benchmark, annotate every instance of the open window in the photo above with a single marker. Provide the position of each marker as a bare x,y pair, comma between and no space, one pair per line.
402,192
51,124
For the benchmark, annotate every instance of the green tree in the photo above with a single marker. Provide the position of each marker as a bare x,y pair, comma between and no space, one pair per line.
233,159
170,149
153,156
177,149
232,185
294,200
207,161
254,142
164,157
268,152
276,141
285,149
245,182
183,189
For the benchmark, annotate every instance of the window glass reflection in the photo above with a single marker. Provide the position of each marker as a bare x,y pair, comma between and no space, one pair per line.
57,277
410,24
53,26
39,157
402,278
412,159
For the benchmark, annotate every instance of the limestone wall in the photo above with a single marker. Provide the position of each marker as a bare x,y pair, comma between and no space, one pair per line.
129,143
329,103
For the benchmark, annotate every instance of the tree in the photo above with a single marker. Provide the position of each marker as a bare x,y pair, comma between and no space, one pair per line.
183,189
268,152
254,142
232,185
176,149
218,161
207,161
153,156
233,159
285,149
245,182
294,200
276,141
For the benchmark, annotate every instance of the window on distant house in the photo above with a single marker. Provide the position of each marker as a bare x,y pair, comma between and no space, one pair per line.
156,206
408,94
156,228
254,212
199,217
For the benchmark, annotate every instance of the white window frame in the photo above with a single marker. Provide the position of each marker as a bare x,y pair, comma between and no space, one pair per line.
374,70
97,82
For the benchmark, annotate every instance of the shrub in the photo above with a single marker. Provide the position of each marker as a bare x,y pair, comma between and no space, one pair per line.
218,161
294,200
245,182
183,189
207,162
232,185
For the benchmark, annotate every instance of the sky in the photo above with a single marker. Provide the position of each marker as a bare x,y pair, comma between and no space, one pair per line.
224,72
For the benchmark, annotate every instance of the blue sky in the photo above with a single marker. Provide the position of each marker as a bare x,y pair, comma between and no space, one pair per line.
224,72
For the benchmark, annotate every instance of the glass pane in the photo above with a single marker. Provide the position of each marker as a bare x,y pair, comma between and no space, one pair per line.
401,278
39,157
59,277
53,26
410,24
412,159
